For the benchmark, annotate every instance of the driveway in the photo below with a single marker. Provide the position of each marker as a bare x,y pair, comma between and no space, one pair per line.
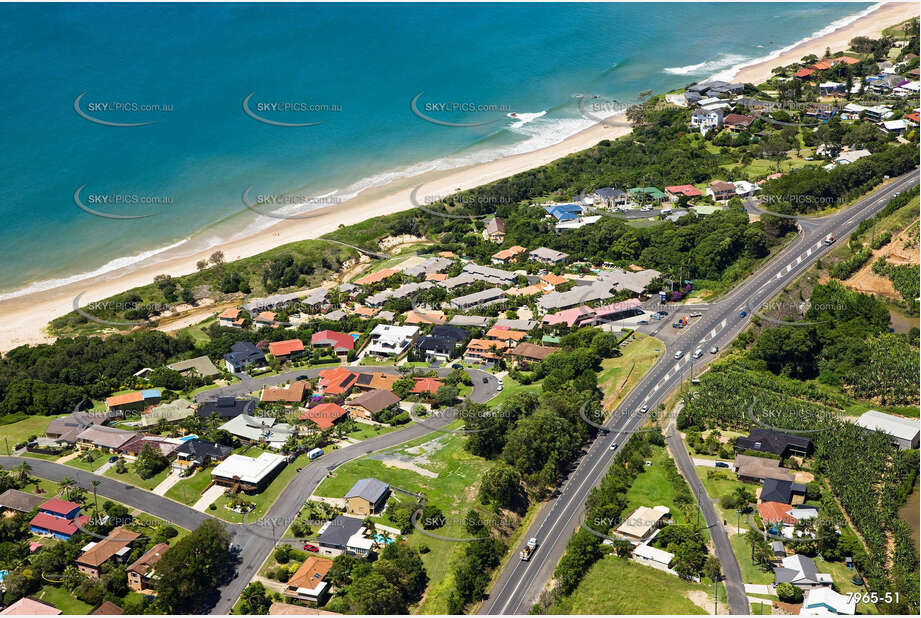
174,477
211,494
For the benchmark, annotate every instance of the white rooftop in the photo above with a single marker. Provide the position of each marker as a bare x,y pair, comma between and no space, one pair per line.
895,426
248,469
827,602
653,553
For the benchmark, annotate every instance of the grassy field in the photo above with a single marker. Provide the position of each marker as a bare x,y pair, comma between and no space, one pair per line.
20,431
99,458
189,490
719,487
130,476
370,431
620,586
652,488
263,500
453,491
63,600
511,387
638,355
751,573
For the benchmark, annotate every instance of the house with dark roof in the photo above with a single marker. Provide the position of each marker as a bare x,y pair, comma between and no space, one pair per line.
15,500
198,453
610,197
243,355
107,608
802,572
367,497
758,469
370,403
344,535
770,441
787,492
225,407
441,342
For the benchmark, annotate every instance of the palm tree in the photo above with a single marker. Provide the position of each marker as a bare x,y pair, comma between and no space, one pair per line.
22,471
95,483
67,484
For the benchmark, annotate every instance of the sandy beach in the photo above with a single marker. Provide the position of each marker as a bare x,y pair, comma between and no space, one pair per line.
25,317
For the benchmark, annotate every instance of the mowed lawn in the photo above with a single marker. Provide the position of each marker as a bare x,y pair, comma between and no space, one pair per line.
751,573
20,431
620,586
63,600
652,488
99,457
454,491
262,500
131,476
619,375
189,490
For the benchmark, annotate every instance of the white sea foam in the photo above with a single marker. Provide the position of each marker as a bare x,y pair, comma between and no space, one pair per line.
731,72
523,118
117,263
721,61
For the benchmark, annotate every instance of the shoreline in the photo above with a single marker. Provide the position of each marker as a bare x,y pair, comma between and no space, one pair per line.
26,316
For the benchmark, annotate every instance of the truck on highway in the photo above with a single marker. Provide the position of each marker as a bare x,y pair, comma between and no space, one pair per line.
829,239
529,549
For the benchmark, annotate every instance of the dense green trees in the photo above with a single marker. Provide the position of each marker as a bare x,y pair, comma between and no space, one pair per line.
389,585
193,568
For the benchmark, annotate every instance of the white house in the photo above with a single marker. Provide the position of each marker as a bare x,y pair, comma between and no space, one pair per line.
705,119
745,188
827,602
849,157
389,340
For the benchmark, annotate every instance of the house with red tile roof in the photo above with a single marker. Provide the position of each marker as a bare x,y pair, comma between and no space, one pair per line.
804,73
324,415
340,343
915,117
266,318
337,381
287,349
553,280
377,277
507,255
231,318
776,512
58,518
735,123
676,191
506,335
426,385
115,547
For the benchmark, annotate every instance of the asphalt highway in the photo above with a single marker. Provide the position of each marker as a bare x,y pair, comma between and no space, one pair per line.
519,585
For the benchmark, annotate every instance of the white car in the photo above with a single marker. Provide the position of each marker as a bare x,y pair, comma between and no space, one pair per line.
500,387
679,354
714,349
698,352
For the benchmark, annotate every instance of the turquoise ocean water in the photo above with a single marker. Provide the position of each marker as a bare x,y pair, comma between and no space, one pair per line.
356,66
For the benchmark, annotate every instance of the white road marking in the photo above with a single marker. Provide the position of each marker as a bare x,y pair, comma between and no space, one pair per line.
808,252
799,260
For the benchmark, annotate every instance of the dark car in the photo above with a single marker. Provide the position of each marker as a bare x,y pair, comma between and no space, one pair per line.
743,314
457,366
722,464
113,459
485,380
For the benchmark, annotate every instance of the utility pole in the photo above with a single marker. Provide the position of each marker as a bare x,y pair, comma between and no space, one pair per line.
715,596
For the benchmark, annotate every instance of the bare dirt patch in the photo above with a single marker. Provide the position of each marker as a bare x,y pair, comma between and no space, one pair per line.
901,250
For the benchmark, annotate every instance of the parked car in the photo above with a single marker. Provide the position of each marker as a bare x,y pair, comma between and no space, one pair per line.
613,446
743,314
113,458
457,366
679,354
663,312
485,380
500,387
714,349
696,314
722,464
309,547
644,409
698,353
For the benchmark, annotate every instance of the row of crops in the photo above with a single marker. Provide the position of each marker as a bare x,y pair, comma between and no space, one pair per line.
868,476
